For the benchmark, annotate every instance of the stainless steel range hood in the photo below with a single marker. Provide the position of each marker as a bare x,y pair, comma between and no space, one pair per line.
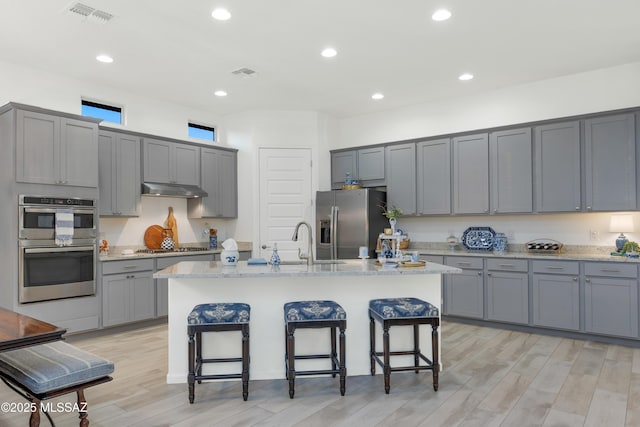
172,190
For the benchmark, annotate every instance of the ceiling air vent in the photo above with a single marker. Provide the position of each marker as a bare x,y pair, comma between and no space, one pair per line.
244,72
88,13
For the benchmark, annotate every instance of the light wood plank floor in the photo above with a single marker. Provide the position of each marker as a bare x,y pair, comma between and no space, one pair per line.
492,377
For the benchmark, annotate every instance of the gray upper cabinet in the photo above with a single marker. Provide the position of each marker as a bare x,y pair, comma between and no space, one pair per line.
434,177
471,174
401,177
365,164
343,163
119,174
219,180
610,163
557,167
510,164
56,150
171,162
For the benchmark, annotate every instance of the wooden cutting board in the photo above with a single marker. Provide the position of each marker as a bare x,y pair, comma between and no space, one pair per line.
153,236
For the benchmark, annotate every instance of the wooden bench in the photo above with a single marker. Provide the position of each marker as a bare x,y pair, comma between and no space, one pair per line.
50,370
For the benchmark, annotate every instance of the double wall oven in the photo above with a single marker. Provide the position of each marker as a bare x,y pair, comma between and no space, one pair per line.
48,271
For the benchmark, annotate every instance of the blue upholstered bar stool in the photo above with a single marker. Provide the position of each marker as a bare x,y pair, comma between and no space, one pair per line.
403,312
217,317
315,314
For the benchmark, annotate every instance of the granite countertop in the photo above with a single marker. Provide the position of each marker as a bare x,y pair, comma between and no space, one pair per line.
215,269
571,254
115,253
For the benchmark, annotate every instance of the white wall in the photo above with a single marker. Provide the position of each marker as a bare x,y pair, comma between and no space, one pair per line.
600,90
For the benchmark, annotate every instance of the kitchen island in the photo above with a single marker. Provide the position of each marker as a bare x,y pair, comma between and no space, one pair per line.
351,283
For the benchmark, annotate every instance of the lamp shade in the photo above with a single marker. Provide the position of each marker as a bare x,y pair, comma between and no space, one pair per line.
621,223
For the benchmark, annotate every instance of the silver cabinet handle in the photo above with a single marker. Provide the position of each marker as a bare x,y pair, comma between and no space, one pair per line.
488,274
587,280
609,270
577,208
129,267
506,265
555,268
463,263
575,279
479,273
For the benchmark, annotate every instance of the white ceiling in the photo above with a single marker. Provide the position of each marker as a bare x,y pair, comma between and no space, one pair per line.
175,51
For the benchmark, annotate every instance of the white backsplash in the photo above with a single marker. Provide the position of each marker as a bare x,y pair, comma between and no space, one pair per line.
154,210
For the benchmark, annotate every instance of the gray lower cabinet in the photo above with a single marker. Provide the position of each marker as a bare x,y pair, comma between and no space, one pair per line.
611,302
510,166
128,292
400,163
119,174
470,165
220,180
464,293
508,290
557,167
56,150
556,294
434,177
610,163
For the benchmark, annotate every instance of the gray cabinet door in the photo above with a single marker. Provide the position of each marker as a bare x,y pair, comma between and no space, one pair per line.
510,165
143,296
610,165
219,179
79,153
116,299
55,150
471,174
157,160
343,162
464,293
556,301
186,168
401,177
371,166
434,177
119,174
557,167
611,306
508,297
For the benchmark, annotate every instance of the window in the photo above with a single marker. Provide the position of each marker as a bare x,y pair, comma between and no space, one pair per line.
108,113
202,132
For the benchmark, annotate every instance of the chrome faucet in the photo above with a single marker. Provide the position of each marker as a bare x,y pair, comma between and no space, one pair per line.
309,256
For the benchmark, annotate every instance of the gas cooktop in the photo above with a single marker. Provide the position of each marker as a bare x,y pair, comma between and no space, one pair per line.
164,251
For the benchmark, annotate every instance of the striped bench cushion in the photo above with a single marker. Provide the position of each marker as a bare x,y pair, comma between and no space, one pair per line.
48,367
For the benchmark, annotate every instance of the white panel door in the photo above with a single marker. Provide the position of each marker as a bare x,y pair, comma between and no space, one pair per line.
285,199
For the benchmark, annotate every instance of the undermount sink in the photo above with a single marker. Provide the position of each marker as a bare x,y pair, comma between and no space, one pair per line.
318,261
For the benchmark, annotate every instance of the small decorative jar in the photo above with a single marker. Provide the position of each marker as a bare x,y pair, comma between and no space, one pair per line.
229,257
500,243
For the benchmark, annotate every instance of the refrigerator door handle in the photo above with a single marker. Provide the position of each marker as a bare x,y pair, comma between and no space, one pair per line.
334,232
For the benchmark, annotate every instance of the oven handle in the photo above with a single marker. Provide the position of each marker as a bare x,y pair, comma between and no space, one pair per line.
81,211
40,250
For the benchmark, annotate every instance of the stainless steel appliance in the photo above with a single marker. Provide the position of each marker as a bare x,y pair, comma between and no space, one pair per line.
346,220
48,271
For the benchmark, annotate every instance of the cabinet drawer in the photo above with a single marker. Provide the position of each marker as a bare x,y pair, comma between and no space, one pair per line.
438,259
165,262
610,269
127,266
506,264
464,262
556,267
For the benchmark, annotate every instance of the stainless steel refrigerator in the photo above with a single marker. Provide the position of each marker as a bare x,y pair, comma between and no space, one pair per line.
346,220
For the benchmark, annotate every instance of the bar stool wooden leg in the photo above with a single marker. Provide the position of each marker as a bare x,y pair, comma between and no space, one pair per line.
199,354
82,403
291,345
192,375
387,358
416,347
343,358
334,351
434,357
372,344
245,362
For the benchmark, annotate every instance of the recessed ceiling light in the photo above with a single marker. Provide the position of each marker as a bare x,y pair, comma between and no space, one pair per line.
441,15
377,96
220,93
329,52
221,14
104,58
465,76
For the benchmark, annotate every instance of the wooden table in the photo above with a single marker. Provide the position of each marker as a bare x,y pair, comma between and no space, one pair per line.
17,330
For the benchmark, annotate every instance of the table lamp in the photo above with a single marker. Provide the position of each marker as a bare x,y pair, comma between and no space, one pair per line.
621,224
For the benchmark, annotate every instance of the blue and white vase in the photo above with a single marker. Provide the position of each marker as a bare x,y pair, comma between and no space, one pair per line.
500,243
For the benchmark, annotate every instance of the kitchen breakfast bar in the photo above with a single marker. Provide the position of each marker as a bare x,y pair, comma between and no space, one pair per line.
266,288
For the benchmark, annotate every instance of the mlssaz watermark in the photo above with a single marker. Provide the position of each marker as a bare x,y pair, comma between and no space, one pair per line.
50,407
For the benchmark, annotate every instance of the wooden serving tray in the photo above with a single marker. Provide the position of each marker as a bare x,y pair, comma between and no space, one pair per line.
413,264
